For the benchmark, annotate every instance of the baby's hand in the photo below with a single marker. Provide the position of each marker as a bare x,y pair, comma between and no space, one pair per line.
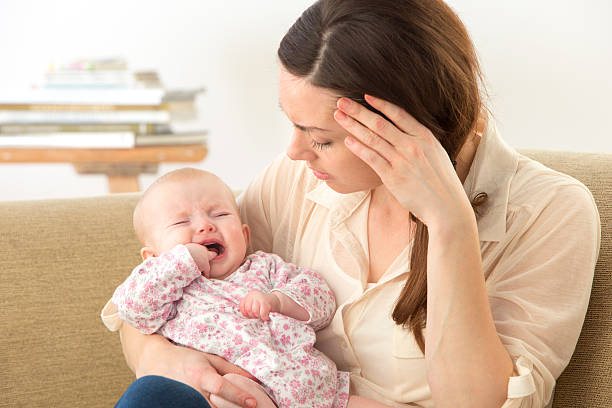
258,305
201,256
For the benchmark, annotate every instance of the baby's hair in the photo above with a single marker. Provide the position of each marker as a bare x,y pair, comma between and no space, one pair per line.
183,174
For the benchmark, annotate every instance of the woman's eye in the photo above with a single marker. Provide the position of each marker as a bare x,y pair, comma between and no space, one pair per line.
320,146
223,214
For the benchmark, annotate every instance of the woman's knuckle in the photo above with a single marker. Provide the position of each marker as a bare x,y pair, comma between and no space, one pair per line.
215,385
380,124
369,156
371,139
411,150
400,113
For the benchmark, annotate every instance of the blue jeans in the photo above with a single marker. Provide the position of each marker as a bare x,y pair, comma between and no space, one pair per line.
153,391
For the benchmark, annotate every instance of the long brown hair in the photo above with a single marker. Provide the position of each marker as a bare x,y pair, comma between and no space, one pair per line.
416,54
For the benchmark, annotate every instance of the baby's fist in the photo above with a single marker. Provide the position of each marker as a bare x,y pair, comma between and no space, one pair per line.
201,257
259,305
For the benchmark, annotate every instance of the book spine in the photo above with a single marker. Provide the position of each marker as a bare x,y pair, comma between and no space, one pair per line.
78,108
136,128
171,139
96,140
84,97
93,117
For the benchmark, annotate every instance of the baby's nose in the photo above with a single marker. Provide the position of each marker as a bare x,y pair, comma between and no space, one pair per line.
206,227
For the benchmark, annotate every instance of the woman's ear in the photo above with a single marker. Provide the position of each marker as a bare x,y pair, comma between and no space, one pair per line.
247,234
147,252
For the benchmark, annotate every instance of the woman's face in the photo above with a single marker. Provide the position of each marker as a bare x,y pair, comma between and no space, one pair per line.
318,139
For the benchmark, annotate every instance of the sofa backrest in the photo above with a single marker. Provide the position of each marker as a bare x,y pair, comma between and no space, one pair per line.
587,380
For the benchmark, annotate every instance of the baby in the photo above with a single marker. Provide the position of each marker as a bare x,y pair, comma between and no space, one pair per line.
196,287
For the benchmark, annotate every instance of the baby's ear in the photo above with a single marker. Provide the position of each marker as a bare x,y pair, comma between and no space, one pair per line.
147,252
247,234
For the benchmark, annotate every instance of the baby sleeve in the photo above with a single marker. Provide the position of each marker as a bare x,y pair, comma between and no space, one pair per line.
305,287
146,300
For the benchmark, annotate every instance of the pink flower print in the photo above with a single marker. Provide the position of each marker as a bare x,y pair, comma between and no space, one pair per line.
284,402
227,354
285,340
237,339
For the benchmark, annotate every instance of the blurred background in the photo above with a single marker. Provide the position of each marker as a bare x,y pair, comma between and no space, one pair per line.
547,64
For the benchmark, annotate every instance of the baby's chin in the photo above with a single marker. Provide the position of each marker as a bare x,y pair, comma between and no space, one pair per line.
219,274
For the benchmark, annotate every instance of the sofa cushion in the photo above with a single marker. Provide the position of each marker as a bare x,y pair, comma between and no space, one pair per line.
60,260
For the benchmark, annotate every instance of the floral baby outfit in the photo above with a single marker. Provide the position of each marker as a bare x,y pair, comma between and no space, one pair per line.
168,295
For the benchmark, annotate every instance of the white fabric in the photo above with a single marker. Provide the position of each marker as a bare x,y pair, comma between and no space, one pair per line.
539,235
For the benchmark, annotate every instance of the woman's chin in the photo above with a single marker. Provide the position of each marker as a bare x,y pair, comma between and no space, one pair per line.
350,188
344,189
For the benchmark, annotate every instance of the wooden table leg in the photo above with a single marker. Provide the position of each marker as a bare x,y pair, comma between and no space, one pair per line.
122,177
123,184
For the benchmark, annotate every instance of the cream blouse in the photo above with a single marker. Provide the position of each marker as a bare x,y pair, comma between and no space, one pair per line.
539,237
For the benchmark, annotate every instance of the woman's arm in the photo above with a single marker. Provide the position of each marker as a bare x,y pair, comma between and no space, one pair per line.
467,364
155,355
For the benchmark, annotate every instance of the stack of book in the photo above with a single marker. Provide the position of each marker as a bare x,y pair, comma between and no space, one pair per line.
98,104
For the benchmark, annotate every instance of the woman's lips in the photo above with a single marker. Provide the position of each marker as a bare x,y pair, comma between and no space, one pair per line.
319,175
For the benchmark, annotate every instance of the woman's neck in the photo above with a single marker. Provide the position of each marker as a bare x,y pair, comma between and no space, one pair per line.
466,154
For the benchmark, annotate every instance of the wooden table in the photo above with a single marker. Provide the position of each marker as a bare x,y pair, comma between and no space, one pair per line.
121,166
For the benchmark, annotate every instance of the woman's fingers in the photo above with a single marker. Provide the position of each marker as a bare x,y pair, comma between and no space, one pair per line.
365,124
402,119
221,403
231,393
363,148
224,367
214,383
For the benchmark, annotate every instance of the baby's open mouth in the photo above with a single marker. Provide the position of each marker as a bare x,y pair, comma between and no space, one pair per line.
215,247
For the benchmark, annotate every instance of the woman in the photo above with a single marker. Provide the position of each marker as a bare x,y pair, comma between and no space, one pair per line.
462,269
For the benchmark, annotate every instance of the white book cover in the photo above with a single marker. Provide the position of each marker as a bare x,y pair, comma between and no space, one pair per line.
172,139
128,96
82,117
74,140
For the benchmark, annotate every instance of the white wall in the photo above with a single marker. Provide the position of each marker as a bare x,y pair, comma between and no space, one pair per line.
548,64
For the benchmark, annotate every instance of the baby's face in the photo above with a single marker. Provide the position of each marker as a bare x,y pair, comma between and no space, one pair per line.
200,211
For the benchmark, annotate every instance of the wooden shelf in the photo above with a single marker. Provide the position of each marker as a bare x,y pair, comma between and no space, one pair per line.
121,166
145,154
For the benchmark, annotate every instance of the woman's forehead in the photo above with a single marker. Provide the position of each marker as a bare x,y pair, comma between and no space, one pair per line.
294,90
306,105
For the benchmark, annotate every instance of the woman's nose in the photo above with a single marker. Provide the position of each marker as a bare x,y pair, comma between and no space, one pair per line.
299,149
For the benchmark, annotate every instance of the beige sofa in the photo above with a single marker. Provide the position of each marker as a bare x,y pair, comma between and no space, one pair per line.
61,259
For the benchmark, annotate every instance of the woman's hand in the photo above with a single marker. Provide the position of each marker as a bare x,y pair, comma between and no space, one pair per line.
410,161
202,371
467,365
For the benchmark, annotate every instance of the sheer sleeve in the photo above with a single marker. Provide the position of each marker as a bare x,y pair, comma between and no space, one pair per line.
539,290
